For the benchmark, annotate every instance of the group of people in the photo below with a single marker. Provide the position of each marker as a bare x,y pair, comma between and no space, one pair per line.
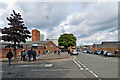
30,53
57,51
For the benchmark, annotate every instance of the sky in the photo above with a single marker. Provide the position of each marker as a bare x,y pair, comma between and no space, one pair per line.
90,21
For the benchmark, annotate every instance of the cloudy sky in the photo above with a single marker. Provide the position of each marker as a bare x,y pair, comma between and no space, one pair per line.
91,22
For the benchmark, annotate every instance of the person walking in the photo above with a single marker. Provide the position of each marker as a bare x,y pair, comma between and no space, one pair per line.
43,52
71,51
39,53
34,55
68,51
24,55
21,55
58,51
29,54
9,56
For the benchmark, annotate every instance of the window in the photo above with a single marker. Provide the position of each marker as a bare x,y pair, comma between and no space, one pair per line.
35,47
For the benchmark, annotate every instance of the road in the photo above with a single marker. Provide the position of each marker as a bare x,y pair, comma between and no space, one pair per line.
79,66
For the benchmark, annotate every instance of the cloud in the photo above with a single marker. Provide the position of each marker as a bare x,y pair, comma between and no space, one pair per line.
83,19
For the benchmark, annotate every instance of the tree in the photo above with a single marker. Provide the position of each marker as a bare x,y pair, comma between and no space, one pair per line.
67,40
17,32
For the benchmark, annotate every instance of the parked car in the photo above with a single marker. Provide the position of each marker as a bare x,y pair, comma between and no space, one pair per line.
85,51
89,51
75,52
109,54
97,52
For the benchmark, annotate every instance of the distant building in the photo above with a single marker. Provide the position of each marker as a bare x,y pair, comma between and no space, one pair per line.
41,37
55,41
111,46
35,35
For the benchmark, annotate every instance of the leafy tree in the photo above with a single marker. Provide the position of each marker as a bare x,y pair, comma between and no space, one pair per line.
17,32
67,40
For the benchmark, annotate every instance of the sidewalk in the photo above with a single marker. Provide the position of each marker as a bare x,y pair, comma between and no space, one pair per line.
41,57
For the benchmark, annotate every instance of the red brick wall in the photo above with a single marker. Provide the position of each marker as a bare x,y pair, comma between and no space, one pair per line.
50,48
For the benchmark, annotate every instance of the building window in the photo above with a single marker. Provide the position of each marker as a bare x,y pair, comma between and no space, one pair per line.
51,45
35,47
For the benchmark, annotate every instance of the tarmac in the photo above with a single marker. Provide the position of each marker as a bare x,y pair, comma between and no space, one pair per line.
52,56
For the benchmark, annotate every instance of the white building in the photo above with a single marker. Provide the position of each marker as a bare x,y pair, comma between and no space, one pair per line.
41,37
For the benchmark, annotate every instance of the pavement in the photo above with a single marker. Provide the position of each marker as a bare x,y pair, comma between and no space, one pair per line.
41,57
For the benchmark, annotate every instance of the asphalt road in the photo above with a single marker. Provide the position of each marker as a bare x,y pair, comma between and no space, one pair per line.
80,66
101,66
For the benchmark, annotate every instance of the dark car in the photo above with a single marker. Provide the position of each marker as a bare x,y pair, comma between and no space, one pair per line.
97,52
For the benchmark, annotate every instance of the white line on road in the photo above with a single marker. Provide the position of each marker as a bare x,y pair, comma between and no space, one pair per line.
78,64
53,69
48,65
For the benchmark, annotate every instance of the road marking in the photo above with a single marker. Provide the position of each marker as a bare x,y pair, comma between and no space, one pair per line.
78,64
53,70
48,65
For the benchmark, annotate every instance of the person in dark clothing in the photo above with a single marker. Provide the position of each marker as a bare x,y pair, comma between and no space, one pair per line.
24,55
68,51
21,55
9,56
39,52
58,51
55,52
43,52
29,54
102,53
34,55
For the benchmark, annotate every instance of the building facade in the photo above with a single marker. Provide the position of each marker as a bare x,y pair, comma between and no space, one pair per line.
35,35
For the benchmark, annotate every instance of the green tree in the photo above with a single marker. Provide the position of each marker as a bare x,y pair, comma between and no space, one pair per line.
67,40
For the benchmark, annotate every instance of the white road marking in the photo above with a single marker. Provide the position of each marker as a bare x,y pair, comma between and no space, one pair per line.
48,65
77,64
53,69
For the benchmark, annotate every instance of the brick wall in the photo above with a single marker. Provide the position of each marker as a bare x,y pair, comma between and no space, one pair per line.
51,47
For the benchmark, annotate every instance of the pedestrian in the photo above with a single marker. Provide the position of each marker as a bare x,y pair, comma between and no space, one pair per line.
71,51
24,55
43,52
55,52
68,51
105,53
21,55
47,52
102,52
39,52
29,54
58,51
9,56
34,55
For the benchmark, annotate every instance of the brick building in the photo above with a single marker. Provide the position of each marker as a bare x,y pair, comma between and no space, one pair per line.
37,45
35,35
111,46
